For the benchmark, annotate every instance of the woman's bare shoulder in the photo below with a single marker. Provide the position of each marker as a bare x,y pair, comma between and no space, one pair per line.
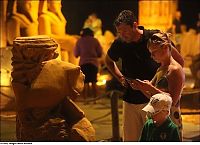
175,71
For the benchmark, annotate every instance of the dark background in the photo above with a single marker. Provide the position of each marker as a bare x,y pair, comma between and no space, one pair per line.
76,11
189,10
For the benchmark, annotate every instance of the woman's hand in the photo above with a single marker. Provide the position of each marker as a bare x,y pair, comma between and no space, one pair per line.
140,85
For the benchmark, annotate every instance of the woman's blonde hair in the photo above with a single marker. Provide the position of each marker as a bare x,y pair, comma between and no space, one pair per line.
160,39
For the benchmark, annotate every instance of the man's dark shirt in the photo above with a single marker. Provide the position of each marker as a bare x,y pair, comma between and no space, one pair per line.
136,63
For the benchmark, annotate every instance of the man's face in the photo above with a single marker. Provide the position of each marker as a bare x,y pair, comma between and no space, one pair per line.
125,32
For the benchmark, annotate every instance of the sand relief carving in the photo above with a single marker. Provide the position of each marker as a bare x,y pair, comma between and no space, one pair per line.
53,23
22,19
44,88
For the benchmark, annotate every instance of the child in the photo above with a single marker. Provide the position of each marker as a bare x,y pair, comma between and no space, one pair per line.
159,127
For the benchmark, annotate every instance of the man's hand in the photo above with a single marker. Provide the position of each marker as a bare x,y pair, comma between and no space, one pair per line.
123,81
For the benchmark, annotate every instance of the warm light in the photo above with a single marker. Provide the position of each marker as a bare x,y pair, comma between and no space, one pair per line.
5,78
102,79
194,119
157,14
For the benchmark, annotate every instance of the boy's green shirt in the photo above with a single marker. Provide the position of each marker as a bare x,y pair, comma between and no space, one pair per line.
168,131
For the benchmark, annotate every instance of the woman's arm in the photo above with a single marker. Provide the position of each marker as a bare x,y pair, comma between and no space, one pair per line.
176,80
177,56
145,87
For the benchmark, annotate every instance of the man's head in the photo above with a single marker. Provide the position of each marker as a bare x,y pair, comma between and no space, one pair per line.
158,104
126,24
125,17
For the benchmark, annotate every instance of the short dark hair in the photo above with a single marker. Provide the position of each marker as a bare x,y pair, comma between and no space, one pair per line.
125,17
87,32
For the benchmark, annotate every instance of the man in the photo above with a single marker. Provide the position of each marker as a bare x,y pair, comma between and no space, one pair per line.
131,47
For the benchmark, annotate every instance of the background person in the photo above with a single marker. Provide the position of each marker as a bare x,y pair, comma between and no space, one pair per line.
89,50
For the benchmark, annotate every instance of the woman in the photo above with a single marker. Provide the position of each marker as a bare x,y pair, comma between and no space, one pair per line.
89,50
169,77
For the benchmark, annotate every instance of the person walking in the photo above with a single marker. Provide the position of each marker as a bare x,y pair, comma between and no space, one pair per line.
89,50
131,47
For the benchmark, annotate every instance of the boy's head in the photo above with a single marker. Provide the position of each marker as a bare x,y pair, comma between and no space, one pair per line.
159,104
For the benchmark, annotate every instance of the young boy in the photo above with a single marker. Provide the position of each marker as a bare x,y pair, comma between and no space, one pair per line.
159,127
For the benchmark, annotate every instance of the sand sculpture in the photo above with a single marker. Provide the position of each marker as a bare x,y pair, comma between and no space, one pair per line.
22,19
45,89
53,23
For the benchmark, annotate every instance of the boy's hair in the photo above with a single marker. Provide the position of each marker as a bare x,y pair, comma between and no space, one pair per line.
125,17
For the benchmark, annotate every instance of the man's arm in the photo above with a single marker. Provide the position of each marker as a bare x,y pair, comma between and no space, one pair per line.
112,67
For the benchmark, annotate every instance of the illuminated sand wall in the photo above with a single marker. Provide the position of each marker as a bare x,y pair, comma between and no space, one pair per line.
156,14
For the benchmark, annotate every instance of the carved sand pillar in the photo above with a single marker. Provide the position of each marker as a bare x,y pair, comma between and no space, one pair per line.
43,87
156,14
3,8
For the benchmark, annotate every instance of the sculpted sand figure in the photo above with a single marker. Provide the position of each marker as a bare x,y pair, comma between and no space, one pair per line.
3,9
22,19
53,23
94,23
44,88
